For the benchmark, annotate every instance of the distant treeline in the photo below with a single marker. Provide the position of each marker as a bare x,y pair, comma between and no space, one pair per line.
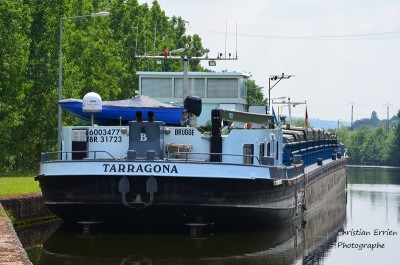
98,54
372,141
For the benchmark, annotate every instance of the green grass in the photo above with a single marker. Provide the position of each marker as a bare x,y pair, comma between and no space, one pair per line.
18,183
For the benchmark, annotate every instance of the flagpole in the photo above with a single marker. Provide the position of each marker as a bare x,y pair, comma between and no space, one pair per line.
306,119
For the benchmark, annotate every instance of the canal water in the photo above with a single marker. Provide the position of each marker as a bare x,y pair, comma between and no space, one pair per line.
361,226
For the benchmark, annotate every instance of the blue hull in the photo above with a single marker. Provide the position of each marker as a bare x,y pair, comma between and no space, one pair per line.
114,115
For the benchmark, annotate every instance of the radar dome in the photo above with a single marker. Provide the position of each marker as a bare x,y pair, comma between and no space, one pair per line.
92,103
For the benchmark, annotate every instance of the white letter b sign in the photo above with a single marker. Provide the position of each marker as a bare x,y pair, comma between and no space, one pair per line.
143,137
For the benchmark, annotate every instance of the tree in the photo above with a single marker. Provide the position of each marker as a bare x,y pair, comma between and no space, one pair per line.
99,55
357,139
343,135
14,54
374,116
372,149
394,142
254,93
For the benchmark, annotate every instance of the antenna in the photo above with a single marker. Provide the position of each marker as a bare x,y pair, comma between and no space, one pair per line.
145,46
226,34
155,36
137,33
236,39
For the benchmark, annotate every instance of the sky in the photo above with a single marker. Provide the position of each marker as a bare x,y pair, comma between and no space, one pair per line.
344,55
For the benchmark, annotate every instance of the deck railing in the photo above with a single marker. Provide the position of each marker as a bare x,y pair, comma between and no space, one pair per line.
185,156
68,155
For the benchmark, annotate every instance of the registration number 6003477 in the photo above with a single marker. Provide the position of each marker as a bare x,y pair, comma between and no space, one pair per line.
105,136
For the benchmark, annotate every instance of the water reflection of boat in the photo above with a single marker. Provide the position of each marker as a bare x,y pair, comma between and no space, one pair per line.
307,240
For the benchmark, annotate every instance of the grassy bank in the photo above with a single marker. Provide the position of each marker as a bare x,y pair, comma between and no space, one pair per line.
18,183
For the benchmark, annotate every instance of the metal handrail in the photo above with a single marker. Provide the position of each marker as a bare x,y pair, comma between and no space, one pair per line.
186,154
47,155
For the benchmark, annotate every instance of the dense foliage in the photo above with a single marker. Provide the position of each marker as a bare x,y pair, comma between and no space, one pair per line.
373,145
98,54
254,94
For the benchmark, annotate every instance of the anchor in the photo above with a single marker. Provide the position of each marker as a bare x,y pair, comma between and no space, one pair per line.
138,203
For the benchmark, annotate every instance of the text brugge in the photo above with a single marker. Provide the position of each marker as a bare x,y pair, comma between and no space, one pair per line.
184,131
140,168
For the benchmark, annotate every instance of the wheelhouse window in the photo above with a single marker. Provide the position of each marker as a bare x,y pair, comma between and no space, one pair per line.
169,86
222,88
248,152
261,153
196,87
157,87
